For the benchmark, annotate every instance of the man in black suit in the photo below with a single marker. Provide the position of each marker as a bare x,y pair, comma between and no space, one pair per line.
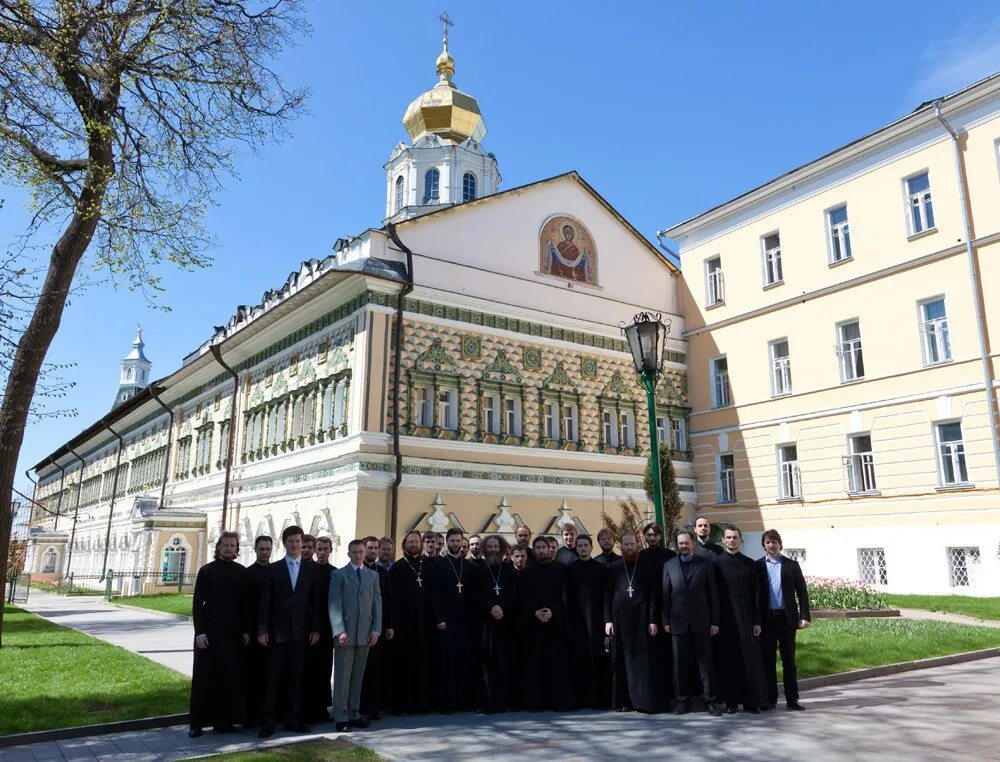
788,602
702,546
288,623
690,614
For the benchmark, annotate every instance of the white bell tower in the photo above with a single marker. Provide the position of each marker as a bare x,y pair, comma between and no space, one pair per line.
134,375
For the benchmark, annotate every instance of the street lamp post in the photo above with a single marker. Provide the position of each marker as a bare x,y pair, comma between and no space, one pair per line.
646,335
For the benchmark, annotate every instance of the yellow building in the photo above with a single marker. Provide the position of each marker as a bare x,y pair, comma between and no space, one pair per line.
842,323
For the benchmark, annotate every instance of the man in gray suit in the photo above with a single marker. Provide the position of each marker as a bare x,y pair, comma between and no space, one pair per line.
356,620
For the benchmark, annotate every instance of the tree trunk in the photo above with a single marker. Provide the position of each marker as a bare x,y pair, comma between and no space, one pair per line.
37,338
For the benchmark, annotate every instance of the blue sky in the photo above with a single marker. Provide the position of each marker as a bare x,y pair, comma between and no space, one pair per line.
666,108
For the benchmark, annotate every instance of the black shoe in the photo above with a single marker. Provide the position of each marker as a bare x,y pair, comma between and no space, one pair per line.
681,707
625,709
713,710
377,715
795,706
194,732
297,727
342,727
358,723
225,729
266,731
752,710
730,709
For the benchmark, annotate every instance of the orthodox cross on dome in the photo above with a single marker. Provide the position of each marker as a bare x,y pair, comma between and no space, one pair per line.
446,22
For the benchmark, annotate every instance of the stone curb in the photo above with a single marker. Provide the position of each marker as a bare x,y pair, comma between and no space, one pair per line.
854,675
104,728
853,614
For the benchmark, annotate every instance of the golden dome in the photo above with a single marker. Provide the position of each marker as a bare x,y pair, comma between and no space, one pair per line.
444,110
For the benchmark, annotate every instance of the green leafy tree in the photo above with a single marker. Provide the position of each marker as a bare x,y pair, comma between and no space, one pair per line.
119,119
673,506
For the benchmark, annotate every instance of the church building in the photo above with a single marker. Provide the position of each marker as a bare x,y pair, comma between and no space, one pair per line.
460,365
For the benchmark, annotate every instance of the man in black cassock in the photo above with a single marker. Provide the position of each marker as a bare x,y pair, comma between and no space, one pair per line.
567,553
255,655
739,660
606,542
544,625
411,579
219,637
372,684
319,658
691,616
652,559
453,601
631,613
585,595
497,592
702,546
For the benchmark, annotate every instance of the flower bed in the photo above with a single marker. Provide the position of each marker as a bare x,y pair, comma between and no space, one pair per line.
839,594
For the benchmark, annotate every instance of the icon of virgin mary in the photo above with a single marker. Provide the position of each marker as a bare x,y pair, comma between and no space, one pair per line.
566,260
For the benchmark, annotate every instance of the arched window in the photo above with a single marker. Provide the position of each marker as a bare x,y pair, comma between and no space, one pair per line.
469,187
432,181
174,562
399,193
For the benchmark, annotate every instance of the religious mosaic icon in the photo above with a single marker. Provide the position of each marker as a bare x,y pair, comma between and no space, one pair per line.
567,250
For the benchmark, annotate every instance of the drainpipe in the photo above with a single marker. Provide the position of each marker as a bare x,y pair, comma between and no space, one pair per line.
660,235
170,435
114,495
76,512
974,283
217,354
396,363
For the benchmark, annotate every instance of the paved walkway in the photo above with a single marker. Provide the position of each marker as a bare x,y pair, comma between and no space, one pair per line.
158,637
941,616
933,714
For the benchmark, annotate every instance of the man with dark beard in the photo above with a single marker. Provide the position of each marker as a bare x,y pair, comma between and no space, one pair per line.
308,547
319,658
411,579
497,593
631,613
519,559
544,627
585,595
738,654
453,600
372,688
219,637
606,541
475,548
386,553
702,545
255,655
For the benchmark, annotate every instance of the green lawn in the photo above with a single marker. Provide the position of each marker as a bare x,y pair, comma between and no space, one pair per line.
172,603
980,608
52,587
839,645
54,677
323,749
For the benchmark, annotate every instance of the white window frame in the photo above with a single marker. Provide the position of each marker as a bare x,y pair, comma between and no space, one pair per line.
880,566
770,260
726,478
626,428
715,282
678,435
427,197
853,351
512,414
860,467
838,232
951,452
610,424
972,559
422,405
934,332
781,368
551,412
722,392
491,413
663,428
923,199
789,474
465,187
399,191
571,421
447,411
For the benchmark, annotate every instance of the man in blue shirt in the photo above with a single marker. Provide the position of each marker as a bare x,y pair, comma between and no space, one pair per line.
788,612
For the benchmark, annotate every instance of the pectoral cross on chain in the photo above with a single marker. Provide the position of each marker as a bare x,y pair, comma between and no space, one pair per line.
420,582
629,590
458,585
496,588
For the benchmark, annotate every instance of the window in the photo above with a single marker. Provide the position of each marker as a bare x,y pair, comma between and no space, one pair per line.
399,193
610,429
715,287
340,406
468,187
852,363
951,454
721,396
432,180
570,430
421,406
781,368
678,435
661,428
447,401
789,477
49,561
551,421
491,414
174,562
839,233
727,479
963,564
626,429
934,327
871,566
512,416
918,193
861,465
796,554
772,259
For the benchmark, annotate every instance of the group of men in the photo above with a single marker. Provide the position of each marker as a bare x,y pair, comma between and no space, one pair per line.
458,624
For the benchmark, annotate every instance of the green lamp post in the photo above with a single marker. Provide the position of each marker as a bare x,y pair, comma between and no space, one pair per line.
646,336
